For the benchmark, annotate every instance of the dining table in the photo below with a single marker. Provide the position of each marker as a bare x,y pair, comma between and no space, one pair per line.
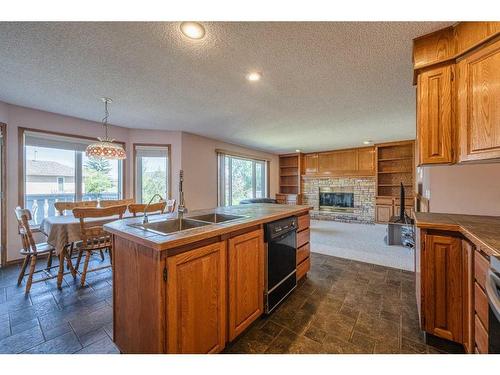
61,231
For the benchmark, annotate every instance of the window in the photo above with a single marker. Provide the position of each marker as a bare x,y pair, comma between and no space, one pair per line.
57,169
241,178
60,184
151,172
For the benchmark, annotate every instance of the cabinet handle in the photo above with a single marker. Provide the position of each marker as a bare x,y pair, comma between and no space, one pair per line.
165,274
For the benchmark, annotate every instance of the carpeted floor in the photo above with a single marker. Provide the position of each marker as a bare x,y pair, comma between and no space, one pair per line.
361,242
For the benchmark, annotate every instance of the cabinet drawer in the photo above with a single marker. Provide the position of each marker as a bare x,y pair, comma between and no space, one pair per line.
481,304
481,336
481,266
384,201
303,222
303,253
303,268
303,237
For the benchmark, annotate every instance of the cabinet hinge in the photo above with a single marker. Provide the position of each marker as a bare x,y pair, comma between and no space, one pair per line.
165,274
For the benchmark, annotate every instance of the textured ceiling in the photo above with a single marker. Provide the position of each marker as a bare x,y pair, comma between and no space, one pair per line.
325,85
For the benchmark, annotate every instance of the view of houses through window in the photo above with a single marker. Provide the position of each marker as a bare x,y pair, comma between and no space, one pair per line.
58,170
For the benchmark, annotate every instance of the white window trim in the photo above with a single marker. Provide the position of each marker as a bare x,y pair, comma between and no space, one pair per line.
141,151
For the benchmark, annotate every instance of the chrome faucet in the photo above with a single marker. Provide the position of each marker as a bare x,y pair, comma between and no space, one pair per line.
145,219
181,209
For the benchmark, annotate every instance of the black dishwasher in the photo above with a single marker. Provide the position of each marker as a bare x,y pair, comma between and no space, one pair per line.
281,268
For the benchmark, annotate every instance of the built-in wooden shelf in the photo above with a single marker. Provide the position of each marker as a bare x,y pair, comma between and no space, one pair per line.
390,172
291,169
400,158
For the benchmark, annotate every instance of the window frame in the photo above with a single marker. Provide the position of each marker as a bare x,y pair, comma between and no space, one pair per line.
3,197
122,177
221,180
135,165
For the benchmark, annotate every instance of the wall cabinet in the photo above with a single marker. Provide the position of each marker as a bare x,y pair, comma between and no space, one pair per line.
458,93
442,275
246,280
478,104
349,162
435,115
196,300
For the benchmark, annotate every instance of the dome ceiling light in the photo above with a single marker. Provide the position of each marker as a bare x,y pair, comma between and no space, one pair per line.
193,30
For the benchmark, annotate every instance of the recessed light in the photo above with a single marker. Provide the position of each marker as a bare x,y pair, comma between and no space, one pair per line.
367,142
254,76
193,30
297,150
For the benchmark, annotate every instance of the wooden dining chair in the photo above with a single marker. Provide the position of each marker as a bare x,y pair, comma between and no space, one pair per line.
62,207
31,250
94,237
115,202
139,208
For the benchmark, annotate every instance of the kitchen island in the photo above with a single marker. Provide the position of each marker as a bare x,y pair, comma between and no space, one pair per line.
190,285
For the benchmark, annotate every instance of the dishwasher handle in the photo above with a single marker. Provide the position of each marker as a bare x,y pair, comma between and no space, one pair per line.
492,291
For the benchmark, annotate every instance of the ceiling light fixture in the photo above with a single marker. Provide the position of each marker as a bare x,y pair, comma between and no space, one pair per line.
193,30
254,76
367,142
297,150
106,148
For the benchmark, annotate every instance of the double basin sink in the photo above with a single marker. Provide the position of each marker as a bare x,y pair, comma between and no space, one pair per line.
169,226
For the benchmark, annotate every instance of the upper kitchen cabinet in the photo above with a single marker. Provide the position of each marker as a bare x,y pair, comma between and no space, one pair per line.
478,99
458,78
311,163
435,115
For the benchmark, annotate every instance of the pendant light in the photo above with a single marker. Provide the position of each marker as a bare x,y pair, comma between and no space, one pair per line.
106,148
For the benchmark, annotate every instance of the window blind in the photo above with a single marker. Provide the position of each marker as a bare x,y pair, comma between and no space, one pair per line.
55,141
151,151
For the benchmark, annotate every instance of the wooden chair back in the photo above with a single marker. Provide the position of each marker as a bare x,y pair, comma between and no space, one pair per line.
138,208
170,205
94,236
23,216
115,202
69,206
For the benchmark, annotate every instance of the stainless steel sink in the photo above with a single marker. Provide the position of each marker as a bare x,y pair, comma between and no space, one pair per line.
216,218
170,226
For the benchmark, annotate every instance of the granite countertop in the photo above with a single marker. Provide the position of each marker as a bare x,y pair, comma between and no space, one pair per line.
484,231
255,214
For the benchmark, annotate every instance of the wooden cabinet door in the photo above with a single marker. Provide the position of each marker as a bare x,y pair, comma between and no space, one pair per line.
442,282
311,163
246,280
479,104
468,288
383,213
434,116
196,300
366,161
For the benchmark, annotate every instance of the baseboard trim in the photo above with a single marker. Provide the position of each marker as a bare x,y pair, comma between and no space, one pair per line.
443,344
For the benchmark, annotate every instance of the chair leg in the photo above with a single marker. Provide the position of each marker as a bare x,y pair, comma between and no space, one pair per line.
85,266
102,254
32,271
78,260
71,246
69,264
49,259
23,269
110,256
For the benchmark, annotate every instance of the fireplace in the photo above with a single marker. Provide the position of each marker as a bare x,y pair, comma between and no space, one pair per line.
336,200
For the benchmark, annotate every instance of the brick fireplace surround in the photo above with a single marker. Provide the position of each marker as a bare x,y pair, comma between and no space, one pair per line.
364,197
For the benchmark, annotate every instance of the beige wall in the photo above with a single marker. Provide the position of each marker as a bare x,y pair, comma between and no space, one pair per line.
195,154
463,189
199,162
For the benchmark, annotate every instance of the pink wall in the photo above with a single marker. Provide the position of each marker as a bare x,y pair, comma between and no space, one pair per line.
199,162
463,189
193,153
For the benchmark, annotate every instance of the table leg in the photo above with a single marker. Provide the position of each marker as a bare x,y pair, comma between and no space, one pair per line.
60,274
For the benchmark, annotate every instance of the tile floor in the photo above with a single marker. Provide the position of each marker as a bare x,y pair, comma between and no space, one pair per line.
342,307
